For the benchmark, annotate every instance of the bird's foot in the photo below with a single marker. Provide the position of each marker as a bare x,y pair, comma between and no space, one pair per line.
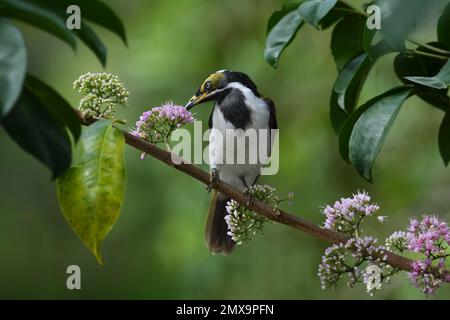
213,179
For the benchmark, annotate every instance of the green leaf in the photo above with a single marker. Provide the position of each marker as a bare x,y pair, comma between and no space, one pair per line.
281,35
36,131
347,129
279,14
93,10
412,65
400,18
444,139
93,42
439,81
101,14
285,23
349,82
337,115
91,194
39,17
313,11
339,11
346,39
13,65
367,38
347,89
444,27
371,128
55,105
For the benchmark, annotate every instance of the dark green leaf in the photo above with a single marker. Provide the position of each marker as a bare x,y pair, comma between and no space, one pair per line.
91,194
349,82
444,139
347,89
55,105
444,27
313,11
339,11
370,130
347,129
39,17
367,37
337,115
402,17
347,39
101,14
92,10
410,65
281,35
37,132
279,14
13,65
440,81
379,49
93,42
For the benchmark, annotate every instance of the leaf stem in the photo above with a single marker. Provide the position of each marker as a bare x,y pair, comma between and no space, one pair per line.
430,47
431,55
350,11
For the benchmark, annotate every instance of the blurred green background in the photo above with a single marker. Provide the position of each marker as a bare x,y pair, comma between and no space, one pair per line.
156,248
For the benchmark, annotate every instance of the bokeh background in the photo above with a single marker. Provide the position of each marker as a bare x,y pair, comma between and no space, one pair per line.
156,248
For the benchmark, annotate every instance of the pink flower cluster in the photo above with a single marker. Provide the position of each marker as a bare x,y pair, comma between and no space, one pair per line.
431,237
157,124
425,235
347,213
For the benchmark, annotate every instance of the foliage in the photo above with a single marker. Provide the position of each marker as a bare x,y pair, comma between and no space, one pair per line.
44,124
423,68
91,193
32,113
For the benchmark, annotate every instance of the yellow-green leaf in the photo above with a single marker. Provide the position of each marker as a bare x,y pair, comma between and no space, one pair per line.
91,194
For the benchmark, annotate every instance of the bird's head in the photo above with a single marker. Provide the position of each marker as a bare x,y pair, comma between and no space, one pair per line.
217,85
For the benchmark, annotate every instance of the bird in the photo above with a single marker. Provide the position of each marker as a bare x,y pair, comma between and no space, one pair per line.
239,107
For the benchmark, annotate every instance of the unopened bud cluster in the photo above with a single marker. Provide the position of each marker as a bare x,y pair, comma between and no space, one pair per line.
102,92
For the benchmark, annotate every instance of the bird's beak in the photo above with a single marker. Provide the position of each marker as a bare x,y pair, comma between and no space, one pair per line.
196,100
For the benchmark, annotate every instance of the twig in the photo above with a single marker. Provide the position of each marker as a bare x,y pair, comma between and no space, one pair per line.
257,206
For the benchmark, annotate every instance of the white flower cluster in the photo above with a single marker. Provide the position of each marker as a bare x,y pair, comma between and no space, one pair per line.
243,223
350,258
397,242
101,93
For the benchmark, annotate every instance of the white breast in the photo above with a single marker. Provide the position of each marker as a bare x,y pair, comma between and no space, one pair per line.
232,173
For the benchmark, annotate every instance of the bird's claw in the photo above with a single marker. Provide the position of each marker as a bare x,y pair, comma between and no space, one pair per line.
213,179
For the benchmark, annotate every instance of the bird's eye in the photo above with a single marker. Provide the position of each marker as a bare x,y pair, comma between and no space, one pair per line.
208,85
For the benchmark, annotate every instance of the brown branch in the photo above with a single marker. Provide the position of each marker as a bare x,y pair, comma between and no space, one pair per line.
257,206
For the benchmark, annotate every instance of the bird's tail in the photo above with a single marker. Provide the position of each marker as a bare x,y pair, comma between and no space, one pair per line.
216,237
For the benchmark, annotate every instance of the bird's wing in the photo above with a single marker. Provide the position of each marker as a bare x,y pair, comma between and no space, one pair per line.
272,121
273,113
210,121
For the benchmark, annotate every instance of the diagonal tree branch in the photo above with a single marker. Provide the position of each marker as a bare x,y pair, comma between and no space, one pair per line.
257,206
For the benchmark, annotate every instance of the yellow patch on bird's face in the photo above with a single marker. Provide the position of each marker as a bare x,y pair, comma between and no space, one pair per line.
213,80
